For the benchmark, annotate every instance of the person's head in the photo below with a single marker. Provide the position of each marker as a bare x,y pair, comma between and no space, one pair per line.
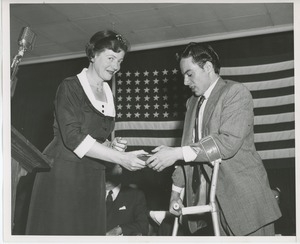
113,175
200,66
106,51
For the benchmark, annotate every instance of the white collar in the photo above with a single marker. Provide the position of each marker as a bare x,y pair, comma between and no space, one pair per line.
106,108
115,191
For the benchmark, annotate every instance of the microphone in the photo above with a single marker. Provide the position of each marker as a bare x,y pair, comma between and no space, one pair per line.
27,38
26,41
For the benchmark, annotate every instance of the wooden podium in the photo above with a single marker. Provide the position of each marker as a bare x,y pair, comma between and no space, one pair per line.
25,157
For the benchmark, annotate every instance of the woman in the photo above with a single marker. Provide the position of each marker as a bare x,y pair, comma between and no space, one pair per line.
70,199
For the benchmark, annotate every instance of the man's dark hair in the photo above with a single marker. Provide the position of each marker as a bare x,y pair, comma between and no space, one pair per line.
201,53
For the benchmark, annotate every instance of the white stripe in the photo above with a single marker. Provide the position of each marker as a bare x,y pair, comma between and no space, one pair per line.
270,84
274,118
152,125
278,153
152,141
273,101
274,136
257,69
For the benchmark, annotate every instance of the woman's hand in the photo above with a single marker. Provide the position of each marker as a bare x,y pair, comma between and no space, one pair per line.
119,144
164,157
131,161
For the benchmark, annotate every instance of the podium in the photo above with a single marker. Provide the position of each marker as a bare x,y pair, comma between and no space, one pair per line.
25,158
26,153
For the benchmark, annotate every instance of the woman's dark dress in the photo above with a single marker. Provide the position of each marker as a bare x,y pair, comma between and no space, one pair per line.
70,199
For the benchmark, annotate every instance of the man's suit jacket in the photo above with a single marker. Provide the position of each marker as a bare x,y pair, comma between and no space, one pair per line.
243,190
129,211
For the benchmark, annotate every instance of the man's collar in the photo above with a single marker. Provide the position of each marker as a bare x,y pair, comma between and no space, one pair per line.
209,90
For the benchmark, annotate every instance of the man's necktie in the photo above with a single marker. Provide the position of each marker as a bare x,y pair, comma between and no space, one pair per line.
109,200
196,169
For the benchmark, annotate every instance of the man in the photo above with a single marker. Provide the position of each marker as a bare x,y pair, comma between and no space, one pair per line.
126,207
246,204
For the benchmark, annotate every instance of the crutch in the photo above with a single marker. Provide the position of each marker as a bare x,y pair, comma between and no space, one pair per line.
214,156
177,219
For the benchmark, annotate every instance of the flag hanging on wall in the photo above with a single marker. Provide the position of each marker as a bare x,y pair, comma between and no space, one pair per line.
150,100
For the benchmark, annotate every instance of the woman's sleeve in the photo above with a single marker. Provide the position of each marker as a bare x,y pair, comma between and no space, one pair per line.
68,114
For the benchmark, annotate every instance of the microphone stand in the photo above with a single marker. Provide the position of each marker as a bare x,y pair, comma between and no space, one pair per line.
26,41
14,69
16,61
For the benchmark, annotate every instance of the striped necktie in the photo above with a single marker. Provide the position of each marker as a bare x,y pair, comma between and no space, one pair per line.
196,167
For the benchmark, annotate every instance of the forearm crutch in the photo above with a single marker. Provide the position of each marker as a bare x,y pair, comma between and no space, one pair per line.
176,220
214,156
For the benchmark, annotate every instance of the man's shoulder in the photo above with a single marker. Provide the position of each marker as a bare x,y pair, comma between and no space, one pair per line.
234,85
229,83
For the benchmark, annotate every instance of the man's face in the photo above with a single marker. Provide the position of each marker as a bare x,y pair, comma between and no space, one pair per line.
194,76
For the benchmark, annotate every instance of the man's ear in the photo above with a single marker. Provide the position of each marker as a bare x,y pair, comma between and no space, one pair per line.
208,67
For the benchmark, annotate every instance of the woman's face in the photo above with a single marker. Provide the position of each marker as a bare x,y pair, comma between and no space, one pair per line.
107,63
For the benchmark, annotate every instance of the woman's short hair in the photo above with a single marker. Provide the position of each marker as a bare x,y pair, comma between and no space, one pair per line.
201,53
105,40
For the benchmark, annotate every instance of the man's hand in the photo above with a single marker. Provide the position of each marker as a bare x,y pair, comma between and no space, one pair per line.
164,157
175,204
115,231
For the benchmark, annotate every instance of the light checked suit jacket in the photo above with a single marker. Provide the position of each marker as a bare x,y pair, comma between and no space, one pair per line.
243,190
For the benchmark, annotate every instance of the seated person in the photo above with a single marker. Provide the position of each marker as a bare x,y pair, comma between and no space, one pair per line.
126,208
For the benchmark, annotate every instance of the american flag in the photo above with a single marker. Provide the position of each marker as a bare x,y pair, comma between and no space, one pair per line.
151,97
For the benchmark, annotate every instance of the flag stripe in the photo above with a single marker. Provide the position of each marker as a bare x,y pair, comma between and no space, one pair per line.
257,69
153,141
273,118
261,77
275,109
274,136
290,125
279,162
270,84
260,60
276,92
150,133
279,153
261,146
274,101
146,125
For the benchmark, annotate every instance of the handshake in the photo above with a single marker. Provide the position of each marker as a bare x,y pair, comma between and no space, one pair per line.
120,144
162,157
